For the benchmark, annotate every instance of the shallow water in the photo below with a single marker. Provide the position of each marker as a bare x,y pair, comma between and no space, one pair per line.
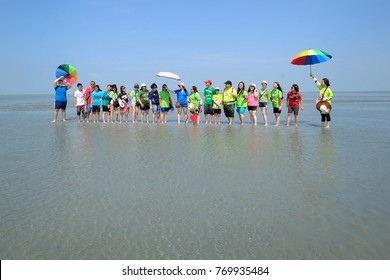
151,191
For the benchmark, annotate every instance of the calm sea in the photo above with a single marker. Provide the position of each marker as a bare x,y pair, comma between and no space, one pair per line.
151,191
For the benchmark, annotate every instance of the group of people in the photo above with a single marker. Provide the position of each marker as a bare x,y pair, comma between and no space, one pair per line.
116,106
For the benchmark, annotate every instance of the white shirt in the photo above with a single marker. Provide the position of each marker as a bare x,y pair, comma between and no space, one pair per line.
79,97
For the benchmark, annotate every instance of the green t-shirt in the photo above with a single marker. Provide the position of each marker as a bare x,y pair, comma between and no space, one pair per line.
264,95
241,100
208,95
275,96
217,101
195,98
133,97
144,97
113,96
165,96
328,92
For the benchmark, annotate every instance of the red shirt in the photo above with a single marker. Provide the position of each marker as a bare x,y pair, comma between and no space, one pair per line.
87,95
294,99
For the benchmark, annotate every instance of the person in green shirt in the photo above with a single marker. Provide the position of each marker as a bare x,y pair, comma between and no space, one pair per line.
165,103
143,99
326,94
208,101
242,101
194,105
133,103
264,99
277,101
229,100
113,94
217,105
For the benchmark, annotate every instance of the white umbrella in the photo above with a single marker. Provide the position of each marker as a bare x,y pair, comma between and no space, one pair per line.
169,75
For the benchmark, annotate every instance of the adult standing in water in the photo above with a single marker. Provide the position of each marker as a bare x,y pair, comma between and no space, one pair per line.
88,98
208,101
242,101
143,100
326,94
165,103
60,98
133,102
253,102
294,103
264,98
229,100
79,101
154,103
277,102
182,101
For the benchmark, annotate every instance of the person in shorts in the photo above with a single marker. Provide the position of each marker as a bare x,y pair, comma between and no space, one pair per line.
134,103
182,101
113,94
165,103
88,99
79,102
217,105
194,103
242,101
60,88
264,99
124,106
154,103
143,99
208,101
294,103
96,103
253,102
276,99
106,104
229,101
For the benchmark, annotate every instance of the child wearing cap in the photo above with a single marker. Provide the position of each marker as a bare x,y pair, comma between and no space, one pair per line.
217,105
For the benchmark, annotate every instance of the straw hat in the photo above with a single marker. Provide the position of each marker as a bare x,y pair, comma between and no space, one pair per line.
324,107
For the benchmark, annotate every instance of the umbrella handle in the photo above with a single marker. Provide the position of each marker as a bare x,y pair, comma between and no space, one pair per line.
310,70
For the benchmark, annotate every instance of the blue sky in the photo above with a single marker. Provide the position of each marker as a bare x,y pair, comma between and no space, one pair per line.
124,42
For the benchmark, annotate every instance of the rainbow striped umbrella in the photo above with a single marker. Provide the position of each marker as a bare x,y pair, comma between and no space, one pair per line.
68,72
309,57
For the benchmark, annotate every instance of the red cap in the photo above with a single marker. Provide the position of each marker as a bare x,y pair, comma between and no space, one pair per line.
208,81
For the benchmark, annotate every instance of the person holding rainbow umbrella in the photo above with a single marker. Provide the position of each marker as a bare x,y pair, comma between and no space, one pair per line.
66,77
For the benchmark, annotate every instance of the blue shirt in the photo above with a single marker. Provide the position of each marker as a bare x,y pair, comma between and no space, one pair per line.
181,96
96,98
61,93
153,95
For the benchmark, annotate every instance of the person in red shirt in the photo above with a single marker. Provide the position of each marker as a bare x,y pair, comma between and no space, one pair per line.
294,103
88,98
